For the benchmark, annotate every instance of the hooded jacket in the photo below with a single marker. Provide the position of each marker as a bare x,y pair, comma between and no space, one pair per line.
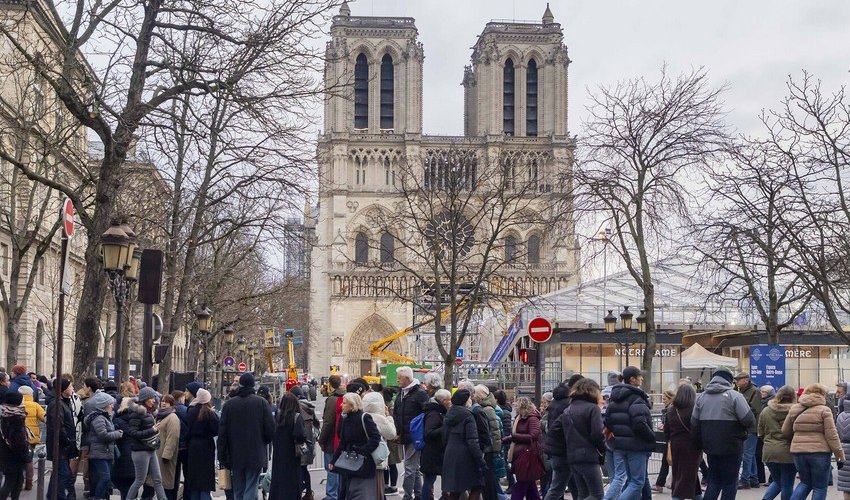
721,418
843,425
810,426
102,435
554,442
753,396
463,460
629,419
373,404
777,448
13,445
432,454
582,424
20,380
140,424
488,406
35,414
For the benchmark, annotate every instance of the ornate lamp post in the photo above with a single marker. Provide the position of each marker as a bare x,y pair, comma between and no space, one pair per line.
626,317
121,264
204,317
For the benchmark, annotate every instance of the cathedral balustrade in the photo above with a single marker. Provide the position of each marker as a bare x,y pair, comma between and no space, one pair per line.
375,285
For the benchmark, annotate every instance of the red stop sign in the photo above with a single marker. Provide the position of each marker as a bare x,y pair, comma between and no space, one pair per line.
243,367
540,330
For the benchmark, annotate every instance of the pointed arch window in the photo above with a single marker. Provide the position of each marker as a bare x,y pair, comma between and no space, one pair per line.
361,92
534,249
361,248
531,99
510,249
508,97
387,92
387,248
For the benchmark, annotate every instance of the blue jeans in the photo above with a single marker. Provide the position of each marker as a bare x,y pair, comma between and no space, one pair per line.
617,479
246,481
748,469
815,469
722,477
783,480
100,466
65,480
636,467
428,486
333,482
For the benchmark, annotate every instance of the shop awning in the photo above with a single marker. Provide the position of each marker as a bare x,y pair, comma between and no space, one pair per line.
697,356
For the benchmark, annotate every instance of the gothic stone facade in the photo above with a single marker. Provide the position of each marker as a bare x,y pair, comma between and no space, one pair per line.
515,107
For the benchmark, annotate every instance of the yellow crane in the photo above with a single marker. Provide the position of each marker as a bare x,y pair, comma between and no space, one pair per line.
272,348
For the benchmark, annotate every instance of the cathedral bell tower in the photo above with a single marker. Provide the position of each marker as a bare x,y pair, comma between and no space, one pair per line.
373,75
517,82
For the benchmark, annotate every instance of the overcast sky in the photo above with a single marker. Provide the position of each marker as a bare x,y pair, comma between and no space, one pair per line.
750,45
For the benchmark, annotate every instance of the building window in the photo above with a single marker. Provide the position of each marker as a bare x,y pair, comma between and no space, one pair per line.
508,97
41,267
531,99
389,172
387,69
533,175
361,249
361,93
534,249
5,259
360,170
510,249
387,248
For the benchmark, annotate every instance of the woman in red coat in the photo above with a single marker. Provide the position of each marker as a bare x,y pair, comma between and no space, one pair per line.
524,453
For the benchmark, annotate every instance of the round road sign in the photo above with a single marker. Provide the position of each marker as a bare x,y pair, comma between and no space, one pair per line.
243,367
68,217
540,330
229,361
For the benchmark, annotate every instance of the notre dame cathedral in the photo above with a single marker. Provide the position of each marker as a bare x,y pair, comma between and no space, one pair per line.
515,109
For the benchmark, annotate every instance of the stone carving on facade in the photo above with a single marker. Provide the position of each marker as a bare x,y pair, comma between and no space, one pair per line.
352,206
337,346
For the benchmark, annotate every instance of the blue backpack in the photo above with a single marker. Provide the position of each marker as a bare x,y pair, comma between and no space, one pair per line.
417,431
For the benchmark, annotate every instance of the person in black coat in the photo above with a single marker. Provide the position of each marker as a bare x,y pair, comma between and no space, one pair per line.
582,424
463,460
286,465
245,430
67,440
123,471
14,447
202,423
431,464
357,433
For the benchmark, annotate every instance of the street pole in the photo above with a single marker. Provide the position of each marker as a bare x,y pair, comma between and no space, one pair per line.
538,375
57,384
147,344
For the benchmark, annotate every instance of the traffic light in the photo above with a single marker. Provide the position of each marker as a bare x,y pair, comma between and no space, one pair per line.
528,357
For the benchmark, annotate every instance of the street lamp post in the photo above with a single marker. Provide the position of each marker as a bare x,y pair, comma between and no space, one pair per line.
121,263
626,317
204,317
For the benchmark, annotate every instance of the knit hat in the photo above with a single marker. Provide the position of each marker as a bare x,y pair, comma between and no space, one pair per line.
110,385
613,378
19,370
101,400
296,391
203,396
246,380
25,390
64,384
13,398
145,394
192,387
460,397
724,374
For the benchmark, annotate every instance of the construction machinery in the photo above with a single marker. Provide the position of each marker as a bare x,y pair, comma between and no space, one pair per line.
272,348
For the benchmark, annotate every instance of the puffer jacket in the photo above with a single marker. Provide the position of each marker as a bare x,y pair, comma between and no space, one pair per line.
141,425
373,404
721,419
488,406
35,414
777,448
629,419
811,429
102,435
843,425
554,442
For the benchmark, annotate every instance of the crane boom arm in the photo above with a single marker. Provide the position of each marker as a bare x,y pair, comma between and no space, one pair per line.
379,348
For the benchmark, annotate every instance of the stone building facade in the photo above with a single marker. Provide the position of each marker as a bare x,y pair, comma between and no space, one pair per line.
515,115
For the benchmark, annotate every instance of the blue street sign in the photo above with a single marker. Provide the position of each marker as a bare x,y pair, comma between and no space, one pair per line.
459,353
767,365
229,361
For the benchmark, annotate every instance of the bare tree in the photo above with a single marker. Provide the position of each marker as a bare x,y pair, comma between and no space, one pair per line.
455,233
742,237
145,56
811,130
641,141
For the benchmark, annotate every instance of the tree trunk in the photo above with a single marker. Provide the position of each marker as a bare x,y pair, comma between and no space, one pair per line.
13,337
649,351
449,370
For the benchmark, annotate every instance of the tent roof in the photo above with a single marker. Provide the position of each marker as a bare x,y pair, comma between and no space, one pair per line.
697,356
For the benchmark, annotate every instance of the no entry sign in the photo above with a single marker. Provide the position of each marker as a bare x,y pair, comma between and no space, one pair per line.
68,217
540,330
243,367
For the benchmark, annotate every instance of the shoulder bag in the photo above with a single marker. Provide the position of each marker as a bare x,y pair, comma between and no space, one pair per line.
151,442
382,452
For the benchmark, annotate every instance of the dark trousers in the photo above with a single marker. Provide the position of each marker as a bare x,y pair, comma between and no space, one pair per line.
305,480
759,463
663,472
62,478
588,478
722,477
99,477
13,481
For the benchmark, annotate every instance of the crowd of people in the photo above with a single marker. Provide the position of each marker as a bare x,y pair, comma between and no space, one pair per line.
133,441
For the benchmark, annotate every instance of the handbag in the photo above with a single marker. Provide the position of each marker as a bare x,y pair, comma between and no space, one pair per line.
382,452
350,462
224,479
151,442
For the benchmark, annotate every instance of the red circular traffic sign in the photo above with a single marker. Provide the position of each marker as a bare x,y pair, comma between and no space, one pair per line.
243,367
68,217
540,330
